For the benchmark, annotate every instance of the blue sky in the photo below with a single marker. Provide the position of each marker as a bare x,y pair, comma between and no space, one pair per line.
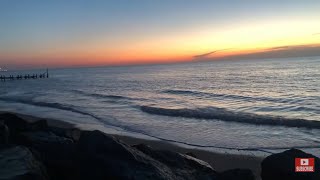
57,26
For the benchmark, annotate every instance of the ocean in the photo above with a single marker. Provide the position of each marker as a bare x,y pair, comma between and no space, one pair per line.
241,106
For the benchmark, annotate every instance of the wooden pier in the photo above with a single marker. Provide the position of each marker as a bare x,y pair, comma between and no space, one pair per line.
4,78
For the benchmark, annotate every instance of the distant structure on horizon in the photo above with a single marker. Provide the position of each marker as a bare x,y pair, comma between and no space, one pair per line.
25,76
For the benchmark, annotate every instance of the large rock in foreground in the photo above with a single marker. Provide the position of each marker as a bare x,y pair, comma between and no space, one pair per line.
237,174
18,163
104,157
55,151
282,166
181,165
17,124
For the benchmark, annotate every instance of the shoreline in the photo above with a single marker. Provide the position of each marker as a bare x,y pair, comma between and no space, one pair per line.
219,161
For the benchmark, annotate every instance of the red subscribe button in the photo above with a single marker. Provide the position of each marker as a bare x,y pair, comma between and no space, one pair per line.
304,164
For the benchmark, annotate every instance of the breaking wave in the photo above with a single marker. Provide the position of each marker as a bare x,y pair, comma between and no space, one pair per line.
226,115
231,96
48,105
200,113
100,95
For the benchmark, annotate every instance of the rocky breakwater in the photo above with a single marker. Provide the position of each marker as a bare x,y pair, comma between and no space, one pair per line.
34,150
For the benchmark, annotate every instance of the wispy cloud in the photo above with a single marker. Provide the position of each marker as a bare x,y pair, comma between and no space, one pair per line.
205,55
279,47
315,34
279,52
293,47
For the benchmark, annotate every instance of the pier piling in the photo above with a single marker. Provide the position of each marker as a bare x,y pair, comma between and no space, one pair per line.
3,78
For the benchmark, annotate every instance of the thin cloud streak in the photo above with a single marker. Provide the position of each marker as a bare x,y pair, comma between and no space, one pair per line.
279,47
205,55
278,52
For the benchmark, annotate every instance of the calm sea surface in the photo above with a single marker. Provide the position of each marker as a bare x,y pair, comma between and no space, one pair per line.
253,105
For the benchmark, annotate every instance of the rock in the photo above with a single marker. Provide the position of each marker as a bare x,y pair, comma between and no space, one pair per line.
73,134
181,164
17,125
282,166
14,123
45,137
103,157
55,151
4,133
237,174
39,125
58,131
18,163
191,154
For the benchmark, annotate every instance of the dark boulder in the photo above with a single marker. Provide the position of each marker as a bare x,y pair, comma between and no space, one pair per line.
103,157
191,154
73,133
39,125
44,138
282,166
14,123
4,133
18,124
236,174
55,151
18,163
182,165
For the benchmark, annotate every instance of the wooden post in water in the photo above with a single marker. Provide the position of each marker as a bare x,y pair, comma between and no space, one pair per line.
25,76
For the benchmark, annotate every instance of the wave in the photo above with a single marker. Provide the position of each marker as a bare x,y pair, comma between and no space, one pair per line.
47,104
133,130
230,96
100,95
226,115
64,107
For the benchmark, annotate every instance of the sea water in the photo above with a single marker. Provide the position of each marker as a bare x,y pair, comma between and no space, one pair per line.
248,105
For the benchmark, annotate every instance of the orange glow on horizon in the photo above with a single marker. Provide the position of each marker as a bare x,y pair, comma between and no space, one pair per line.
245,39
89,59
127,59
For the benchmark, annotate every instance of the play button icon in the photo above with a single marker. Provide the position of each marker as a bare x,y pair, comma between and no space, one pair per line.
304,162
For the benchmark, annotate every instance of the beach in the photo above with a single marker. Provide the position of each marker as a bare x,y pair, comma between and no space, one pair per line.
161,90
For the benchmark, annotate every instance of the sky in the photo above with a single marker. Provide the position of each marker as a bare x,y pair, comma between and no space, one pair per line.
59,33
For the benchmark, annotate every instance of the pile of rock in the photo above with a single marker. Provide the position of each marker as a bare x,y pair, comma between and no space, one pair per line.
282,166
39,152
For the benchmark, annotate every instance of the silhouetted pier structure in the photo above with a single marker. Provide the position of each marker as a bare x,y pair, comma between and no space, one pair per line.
25,76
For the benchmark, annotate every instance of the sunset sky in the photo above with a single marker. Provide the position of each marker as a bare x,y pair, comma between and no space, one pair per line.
58,33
